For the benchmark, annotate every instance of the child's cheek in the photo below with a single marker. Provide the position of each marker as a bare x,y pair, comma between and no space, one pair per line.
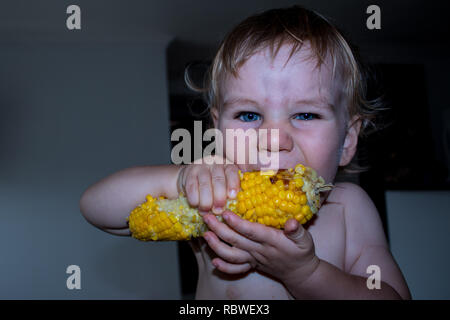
321,153
240,145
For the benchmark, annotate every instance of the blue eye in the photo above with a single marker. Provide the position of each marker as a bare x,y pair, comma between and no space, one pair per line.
306,116
248,116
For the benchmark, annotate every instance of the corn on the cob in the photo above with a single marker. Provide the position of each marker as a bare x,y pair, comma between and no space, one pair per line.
266,197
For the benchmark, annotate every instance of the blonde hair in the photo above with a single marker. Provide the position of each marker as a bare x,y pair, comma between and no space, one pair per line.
294,25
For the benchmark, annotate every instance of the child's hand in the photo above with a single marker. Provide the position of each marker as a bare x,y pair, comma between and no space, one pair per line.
207,186
288,255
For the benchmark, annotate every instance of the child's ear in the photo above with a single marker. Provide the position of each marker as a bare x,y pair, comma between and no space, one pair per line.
215,116
351,141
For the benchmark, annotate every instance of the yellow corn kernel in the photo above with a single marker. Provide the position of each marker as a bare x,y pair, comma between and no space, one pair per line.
259,211
289,195
241,208
248,203
276,202
306,210
290,207
303,199
299,183
283,205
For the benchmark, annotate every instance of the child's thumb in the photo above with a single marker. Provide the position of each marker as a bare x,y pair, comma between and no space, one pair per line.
294,230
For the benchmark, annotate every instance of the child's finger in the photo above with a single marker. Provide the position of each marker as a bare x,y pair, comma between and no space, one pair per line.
230,267
223,250
219,189
225,233
191,188
291,226
205,190
255,232
233,183
295,231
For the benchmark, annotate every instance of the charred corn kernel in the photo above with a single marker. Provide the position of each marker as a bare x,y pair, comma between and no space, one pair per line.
269,198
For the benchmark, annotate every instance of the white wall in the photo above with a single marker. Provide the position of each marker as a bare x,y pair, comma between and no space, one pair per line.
70,114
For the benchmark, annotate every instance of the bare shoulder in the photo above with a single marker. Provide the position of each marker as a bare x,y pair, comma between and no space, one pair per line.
355,200
359,210
349,194
362,221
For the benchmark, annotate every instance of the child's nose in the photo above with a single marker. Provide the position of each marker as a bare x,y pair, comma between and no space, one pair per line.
274,139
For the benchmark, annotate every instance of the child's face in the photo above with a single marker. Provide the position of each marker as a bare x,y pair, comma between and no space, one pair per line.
312,123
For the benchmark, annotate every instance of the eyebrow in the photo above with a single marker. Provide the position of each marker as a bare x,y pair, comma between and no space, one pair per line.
315,102
311,102
239,100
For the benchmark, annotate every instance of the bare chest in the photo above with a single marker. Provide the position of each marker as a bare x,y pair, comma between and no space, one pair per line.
329,234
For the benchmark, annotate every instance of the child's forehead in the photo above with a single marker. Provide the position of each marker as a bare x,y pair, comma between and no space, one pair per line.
284,55
290,73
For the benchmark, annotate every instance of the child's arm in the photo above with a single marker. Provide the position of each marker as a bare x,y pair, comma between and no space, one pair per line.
366,245
107,203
